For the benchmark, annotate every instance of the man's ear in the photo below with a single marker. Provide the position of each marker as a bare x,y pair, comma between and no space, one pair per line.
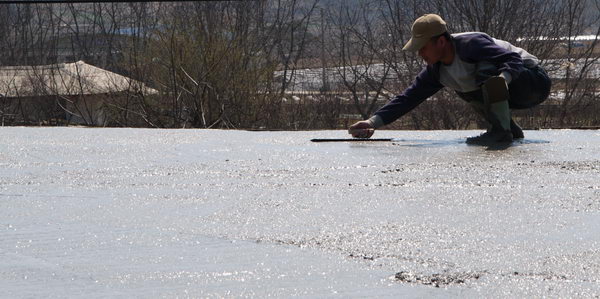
442,41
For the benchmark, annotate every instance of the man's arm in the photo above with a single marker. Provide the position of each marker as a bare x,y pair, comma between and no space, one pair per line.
424,86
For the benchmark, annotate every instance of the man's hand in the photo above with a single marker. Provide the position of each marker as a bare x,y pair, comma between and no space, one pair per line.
362,129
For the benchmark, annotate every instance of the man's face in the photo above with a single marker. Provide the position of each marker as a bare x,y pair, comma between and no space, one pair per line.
432,51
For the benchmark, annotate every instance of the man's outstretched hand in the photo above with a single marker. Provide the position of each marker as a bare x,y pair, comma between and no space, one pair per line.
362,129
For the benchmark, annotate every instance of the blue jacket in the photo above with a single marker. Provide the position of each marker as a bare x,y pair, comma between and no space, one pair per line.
470,47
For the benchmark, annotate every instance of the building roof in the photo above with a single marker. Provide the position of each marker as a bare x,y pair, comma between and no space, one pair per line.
78,78
588,37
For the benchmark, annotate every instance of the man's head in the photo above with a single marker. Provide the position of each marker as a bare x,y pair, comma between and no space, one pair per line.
430,38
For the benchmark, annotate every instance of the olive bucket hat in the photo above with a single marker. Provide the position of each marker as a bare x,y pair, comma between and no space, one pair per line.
423,29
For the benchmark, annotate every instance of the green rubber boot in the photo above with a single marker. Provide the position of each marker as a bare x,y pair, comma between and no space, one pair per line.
497,113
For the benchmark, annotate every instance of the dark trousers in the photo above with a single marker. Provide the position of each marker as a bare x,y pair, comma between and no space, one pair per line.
529,89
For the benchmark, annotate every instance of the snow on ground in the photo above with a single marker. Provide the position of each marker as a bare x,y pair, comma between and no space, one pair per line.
210,213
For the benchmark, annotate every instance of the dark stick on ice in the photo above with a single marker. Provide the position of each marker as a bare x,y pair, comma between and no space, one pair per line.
350,139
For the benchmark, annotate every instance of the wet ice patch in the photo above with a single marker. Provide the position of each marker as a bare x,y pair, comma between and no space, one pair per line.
426,142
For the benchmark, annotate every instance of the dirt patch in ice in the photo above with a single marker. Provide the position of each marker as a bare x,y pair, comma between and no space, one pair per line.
437,280
453,278
575,166
541,275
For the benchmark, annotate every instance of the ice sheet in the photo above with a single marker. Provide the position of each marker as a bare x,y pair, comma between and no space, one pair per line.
211,213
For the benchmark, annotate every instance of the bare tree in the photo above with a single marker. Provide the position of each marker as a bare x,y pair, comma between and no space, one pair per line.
356,53
214,64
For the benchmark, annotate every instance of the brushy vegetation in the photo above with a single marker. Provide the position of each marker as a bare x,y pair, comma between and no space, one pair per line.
236,64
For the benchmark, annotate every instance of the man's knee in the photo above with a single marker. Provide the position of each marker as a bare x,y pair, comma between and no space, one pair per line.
495,90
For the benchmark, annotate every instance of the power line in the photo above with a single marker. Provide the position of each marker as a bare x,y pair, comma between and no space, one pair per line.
84,1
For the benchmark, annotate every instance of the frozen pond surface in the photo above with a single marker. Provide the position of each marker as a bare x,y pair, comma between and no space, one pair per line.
208,213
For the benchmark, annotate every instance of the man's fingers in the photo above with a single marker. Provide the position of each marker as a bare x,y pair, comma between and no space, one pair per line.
361,129
356,132
362,133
